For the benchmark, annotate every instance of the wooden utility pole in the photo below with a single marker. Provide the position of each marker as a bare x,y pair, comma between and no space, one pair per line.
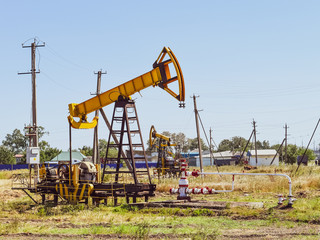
286,143
305,151
198,132
33,129
255,141
210,146
96,155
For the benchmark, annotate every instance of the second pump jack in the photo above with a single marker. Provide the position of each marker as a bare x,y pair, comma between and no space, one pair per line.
166,165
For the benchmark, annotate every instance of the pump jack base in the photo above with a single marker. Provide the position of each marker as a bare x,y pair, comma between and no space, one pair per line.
188,198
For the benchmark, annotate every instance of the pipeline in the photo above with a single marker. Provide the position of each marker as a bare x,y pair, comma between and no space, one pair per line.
205,190
185,190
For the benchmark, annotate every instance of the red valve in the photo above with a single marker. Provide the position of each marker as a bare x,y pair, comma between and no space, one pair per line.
195,173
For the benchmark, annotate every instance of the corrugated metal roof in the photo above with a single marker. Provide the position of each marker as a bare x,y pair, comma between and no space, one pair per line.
225,154
229,154
263,152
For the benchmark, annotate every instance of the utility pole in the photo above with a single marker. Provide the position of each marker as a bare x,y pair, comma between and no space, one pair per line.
255,140
304,154
33,129
198,132
210,146
96,155
286,143
33,151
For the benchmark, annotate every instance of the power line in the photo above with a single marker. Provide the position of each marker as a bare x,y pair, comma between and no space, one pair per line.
209,143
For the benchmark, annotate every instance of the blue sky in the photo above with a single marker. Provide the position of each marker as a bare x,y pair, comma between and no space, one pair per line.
245,59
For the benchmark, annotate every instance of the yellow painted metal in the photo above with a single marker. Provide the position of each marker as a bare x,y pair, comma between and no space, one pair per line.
152,140
61,189
42,172
153,135
90,189
75,175
70,193
179,77
167,139
82,191
98,176
167,145
74,200
66,192
83,124
159,76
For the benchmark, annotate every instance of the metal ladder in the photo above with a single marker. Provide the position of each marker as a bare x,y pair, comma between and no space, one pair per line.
125,125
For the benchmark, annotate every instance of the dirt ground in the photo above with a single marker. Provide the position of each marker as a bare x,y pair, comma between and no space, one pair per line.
306,232
6,193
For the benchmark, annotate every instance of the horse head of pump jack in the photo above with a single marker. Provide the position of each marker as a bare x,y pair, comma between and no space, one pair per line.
161,75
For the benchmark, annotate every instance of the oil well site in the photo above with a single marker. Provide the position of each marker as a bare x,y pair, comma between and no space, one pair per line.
127,195
203,122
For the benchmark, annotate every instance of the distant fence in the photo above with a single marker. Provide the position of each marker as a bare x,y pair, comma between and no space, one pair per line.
13,166
25,166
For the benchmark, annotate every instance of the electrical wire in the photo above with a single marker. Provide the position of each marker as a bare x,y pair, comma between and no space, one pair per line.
65,59
208,142
27,41
39,57
59,84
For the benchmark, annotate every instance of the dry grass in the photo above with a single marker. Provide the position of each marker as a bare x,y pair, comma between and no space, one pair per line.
8,174
306,179
22,219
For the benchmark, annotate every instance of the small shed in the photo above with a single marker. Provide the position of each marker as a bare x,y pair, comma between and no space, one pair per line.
221,158
264,157
18,158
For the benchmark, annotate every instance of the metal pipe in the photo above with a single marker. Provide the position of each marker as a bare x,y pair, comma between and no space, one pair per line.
202,190
182,190
232,188
254,174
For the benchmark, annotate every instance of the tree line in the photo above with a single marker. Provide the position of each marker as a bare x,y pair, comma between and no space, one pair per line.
239,144
17,141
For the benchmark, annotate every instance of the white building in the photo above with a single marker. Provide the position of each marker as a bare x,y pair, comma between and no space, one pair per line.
221,158
264,157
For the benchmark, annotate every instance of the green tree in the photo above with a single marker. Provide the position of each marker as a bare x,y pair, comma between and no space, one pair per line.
113,152
293,151
310,154
47,153
180,139
263,145
16,142
6,155
235,144
239,143
193,144
225,145
86,150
